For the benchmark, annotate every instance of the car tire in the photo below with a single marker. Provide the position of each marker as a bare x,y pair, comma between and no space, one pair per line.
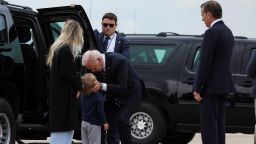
178,138
7,123
148,125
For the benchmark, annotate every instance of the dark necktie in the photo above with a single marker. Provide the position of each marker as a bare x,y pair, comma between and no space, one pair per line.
105,43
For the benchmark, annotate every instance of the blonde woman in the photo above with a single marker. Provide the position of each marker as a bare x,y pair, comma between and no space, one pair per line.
65,84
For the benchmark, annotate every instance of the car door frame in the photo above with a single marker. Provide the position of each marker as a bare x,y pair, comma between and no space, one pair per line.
75,12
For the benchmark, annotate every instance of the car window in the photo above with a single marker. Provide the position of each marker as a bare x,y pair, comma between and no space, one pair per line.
196,60
2,30
27,35
28,42
56,28
26,32
150,54
252,50
245,64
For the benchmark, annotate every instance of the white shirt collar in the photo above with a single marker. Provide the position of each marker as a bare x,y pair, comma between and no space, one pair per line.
217,20
104,61
111,37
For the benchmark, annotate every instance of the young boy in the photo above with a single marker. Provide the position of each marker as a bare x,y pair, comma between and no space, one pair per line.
93,115
89,81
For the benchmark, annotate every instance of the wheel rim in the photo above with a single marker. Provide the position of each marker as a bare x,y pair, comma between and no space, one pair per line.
5,129
141,125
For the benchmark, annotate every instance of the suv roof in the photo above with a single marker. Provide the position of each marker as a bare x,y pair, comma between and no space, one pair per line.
174,35
2,2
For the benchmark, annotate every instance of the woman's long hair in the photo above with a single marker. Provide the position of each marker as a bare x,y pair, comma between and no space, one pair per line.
72,36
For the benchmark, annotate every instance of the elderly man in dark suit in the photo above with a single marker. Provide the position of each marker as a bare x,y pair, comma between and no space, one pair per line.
251,72
122,88
109,40
214,78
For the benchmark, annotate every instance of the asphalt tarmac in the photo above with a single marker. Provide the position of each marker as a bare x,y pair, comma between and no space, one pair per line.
236,138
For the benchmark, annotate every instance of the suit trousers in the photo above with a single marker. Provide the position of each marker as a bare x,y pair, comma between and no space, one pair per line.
212,119
119,117
119,125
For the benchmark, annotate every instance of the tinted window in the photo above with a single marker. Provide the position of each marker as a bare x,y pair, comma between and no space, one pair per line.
150,54
56,28
57,25
196,60
2,30
252,50
26,33
247,56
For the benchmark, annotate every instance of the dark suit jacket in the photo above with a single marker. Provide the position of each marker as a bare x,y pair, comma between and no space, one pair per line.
214,73
251,71
121,45
122,81
64,84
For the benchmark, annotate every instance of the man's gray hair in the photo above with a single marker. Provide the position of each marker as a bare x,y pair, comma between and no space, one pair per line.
90,56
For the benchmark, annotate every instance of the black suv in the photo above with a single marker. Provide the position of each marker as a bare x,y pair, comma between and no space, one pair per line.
25,37
167,63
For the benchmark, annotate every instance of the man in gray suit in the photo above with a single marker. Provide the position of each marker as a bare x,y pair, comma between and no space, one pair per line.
251,72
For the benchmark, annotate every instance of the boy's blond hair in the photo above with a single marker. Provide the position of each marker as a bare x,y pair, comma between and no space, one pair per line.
89,80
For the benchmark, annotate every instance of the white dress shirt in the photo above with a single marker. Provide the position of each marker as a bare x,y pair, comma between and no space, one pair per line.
104,85
111,43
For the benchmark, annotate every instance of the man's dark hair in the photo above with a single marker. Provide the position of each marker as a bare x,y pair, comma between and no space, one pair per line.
110,16
213,7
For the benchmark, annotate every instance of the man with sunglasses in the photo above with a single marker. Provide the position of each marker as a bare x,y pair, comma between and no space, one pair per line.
109,40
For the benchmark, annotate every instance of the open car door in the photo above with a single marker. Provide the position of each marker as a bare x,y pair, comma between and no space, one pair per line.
52,21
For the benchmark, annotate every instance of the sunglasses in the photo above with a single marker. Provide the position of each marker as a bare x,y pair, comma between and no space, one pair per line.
107,24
